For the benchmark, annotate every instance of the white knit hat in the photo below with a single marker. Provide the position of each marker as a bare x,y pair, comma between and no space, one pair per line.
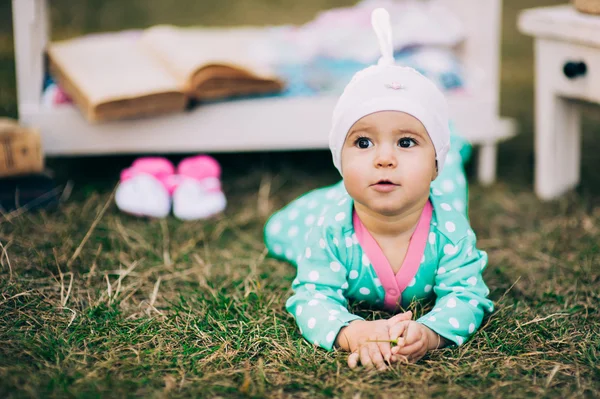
390,87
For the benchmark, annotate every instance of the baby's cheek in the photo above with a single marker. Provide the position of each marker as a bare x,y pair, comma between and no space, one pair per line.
421,175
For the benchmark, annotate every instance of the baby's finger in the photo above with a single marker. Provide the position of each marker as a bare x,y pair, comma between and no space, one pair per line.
365,358
353,360
410,349
400,317
385,349
412,334
397,330
396,348
376,357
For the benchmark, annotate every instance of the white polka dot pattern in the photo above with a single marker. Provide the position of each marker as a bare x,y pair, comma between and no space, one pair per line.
334,268
275,227
293,231
307,253
365,260
432,238
330,336
450,249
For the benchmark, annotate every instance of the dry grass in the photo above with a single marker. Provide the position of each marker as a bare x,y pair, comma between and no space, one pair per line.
94,303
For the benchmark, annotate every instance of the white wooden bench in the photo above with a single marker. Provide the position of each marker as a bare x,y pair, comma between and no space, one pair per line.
254,124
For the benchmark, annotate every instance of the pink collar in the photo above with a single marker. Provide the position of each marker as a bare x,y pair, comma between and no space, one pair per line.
394,285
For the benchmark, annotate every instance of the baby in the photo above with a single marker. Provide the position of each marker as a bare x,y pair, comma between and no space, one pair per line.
393,231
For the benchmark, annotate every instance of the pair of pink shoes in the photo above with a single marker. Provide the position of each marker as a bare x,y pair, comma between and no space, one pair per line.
152,186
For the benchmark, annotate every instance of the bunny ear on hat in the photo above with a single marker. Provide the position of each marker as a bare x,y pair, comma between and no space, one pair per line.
380,19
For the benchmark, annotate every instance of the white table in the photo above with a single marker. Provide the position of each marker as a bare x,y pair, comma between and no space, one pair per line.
567,67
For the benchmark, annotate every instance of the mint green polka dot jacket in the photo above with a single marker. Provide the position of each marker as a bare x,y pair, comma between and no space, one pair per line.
318,233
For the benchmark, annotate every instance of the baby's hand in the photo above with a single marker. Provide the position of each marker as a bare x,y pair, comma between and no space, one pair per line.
413,340
369,341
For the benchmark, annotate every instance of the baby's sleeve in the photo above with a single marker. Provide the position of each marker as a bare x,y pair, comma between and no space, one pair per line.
319,303
461,292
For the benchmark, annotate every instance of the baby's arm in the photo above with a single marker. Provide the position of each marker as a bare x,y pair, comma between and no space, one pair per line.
319,304
460,305
461,292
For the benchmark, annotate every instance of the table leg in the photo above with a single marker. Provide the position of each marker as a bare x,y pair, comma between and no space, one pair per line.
557,138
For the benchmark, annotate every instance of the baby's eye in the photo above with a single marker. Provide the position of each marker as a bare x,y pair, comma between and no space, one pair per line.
363,142
406,142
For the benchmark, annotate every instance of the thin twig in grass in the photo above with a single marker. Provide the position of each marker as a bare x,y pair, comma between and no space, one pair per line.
108,289
153,297
492,316
133,239
537,319
165,233
264,190
125,274
94,265
133,288
182,381
186,247
91,229
63,298
509,289
73,316
122,275
4,255
16,296
552,374
66,298
119,279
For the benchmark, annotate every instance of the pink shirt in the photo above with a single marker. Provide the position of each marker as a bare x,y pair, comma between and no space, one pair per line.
394,285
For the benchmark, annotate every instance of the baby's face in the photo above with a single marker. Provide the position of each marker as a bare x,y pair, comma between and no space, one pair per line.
388,162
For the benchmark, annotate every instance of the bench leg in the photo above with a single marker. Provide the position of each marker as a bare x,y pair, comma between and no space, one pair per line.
31,34
486,164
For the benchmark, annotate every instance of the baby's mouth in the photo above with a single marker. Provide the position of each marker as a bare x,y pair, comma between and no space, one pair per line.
384,186
385,182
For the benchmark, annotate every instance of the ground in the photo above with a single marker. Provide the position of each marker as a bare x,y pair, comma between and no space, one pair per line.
95,303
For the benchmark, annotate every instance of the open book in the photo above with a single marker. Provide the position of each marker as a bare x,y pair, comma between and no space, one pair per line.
129,74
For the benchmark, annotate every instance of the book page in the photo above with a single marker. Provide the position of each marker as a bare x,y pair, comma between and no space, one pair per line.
109,67
185,51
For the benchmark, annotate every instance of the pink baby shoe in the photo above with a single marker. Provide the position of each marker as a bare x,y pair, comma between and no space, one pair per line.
198,193
144,187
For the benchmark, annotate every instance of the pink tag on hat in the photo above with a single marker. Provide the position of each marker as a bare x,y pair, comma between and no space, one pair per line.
395,86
